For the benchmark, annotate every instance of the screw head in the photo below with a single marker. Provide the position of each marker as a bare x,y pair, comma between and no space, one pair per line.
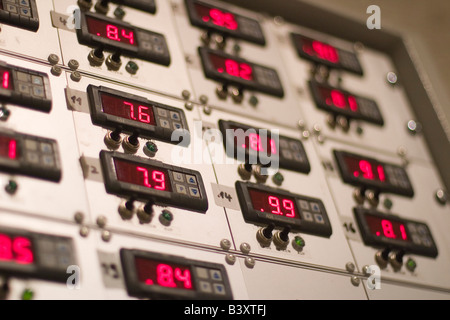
414,127
441,196
101,221
56,71
53,59
225,244
185,94
230,259
245,247
350,267
75,76
106,235
84,231
189,106
355,281
73,64
78,217
249,262
391,77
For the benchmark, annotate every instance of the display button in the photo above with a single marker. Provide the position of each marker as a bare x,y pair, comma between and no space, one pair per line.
216,275
286,154
25,12
194,192
219,288
191,179
31,145
304,205
22,76
202,273
319,218
11,8
180,188
205,286
46,147
164,123
177,176
24,88
38,91
298,157
315,207
32,157
36,80
174,116
162,112
48,161
307,216
177,125
25,3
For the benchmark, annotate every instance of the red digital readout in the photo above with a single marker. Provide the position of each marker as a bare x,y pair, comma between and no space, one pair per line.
366,169
142,175
320,50
164,274
16,249
127,109
6,81
111,31
338,99
387,228
216,16
232,67
254,142
273,203
8,148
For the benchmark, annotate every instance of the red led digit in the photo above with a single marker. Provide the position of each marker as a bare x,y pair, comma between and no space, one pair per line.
245,71
255,142
352,103
145,172
289,205
6,253
325,51
112,32
221,19
164,276
12,149
158,176
184,276
129,36
273,146
132,116
22,250
388,230
232,67
381,175
274,202
403,232
366,169
338,99
143,116
230,21
5,80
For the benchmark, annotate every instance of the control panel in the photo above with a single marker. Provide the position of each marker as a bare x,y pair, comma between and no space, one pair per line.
203,150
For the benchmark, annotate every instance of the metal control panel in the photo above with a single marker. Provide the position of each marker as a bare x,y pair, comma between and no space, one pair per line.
203,149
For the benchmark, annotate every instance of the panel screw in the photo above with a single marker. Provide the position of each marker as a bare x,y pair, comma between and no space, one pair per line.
442,196
230,259
53,59
391,77
101,221
350,267
305,135
249,262
207,110
203,99
365,270
189,106
245,248
355,281
84,231
185,94
225,244
75,76
106,235
78,217
56,71
301,124
414,127
73,64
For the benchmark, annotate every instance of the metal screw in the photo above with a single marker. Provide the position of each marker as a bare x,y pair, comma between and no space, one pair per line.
225,244
56,71
185,94
106,235
321,139
442,196
401,151
317,129
84,231
414,127
73,64
230,259
189,106
305,134
355,281
203,99
350,267
101,221
78,217
249,262
301,124
245,248
75,76
391,77
366,271
207,110
53,59
278,20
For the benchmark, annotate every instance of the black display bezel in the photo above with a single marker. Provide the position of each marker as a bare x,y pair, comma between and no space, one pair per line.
86,38
303,167
211,73
148,131
148,6
198,22
372,240
158,197
15,20
137,289
21,167
378,186
321,104
263,218
37,270
13,95
296,39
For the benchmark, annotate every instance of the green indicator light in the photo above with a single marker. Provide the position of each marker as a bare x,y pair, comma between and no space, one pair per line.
299,241
278,178
27,294
11,187
151,146
411,264
167,215
131,67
